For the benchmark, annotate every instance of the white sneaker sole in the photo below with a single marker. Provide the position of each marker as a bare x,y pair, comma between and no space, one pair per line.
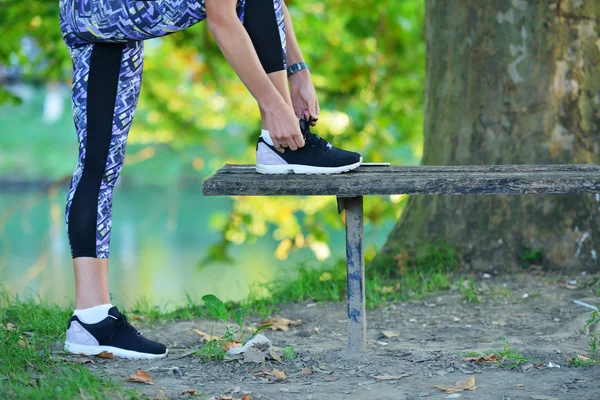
94,350
280,169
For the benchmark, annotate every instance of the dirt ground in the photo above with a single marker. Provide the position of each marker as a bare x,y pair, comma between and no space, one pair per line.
433,333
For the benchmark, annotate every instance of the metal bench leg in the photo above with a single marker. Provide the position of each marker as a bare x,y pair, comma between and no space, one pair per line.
355,270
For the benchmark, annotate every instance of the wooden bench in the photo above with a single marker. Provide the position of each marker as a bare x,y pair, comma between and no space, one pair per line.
349,188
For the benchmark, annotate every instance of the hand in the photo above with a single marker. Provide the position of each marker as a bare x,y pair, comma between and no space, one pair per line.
283,126
304,97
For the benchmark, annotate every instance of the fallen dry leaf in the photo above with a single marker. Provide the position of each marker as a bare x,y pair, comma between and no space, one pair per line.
281,324
390,334
331,378
231,345
459,386
279,374
543,397
190,392
105,354
316,330
227,397
246,397
22,343
386,377
572,287
160,395
306,371
141,377
489,358
205,336
517,314
501,322
275,355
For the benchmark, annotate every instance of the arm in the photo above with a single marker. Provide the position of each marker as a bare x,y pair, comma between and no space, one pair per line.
234,42
236,46
302,90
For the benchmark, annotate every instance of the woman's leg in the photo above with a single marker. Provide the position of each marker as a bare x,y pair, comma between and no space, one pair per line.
106,85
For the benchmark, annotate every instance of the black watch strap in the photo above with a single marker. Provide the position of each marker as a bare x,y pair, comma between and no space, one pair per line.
292,69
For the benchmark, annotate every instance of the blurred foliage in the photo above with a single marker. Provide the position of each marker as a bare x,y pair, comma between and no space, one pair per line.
368,64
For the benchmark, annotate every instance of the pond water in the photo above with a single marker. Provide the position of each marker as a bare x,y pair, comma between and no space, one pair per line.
158,239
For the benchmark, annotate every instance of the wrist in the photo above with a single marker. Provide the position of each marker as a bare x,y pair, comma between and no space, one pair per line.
300,78
295,68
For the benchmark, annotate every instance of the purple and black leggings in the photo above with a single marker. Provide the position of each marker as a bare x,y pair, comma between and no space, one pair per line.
105,39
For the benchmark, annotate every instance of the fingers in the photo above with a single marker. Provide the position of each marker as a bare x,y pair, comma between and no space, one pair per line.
298,139
312,110
277,144
289,143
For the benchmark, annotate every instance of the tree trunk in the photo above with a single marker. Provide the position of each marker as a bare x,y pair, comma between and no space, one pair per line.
509,82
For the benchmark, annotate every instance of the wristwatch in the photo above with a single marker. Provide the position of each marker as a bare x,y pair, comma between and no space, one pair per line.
292,69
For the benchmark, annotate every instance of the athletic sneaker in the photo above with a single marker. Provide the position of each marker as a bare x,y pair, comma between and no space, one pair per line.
115,335
316,157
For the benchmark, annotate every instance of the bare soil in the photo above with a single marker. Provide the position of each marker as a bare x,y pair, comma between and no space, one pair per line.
434,334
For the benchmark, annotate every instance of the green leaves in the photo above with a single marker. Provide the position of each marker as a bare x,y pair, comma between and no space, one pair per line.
215,307
262,327
288,352
238,316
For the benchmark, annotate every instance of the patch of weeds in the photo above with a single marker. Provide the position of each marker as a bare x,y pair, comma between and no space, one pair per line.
216,347
505,358
579,362
534,295
530,257
28,370
469,291
508,357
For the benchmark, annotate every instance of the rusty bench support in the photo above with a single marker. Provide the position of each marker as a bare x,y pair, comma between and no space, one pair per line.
355,272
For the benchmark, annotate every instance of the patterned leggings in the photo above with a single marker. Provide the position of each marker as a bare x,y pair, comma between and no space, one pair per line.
105,39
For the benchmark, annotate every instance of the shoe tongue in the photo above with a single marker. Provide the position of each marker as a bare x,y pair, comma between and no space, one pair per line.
114,311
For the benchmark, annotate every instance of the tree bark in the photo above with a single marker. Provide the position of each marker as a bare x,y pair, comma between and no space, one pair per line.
509,82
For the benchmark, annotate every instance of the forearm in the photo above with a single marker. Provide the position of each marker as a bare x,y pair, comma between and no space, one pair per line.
294,54
236,46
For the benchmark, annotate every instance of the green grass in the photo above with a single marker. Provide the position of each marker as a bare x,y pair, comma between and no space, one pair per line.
28,332
530,257
507,357
469,291
428,272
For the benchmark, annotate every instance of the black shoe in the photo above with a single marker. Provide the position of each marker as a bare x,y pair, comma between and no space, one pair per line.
113,335
316,157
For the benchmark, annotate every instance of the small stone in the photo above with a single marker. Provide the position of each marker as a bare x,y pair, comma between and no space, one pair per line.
450,369
527,368
441,372
412,320
424,394
176,372
556,320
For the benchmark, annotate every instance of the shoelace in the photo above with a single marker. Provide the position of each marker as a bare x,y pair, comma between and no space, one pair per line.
122,321
312,138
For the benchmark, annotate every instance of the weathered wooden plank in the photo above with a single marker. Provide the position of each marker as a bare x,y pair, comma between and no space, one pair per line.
442,180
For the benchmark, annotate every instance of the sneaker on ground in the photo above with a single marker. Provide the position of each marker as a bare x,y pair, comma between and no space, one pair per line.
115,335
316,157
